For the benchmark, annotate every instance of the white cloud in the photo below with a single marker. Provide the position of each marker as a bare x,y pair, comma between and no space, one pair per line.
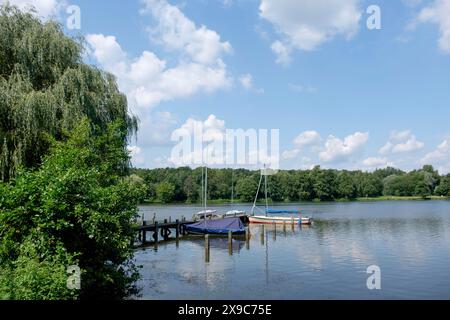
290,154
307,138
337,149
44,8
136,157
306,24
439,13
246,81
282,52
207,132
374,162
401,142
148,80
176,32
440,157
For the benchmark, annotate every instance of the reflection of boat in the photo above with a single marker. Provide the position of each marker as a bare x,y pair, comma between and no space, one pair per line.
280,220
266,219
217,227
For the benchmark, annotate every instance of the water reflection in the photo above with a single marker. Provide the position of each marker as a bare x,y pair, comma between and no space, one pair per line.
409,241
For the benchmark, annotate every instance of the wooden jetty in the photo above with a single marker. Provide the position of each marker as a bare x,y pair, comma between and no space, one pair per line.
161,230
153,232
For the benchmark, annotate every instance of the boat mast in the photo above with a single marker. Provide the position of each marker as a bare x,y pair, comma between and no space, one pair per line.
232,186
206,187
257,194
265,189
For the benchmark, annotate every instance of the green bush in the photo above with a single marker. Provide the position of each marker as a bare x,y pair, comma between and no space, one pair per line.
76,209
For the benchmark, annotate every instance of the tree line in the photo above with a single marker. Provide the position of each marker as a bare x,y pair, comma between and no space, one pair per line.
184,184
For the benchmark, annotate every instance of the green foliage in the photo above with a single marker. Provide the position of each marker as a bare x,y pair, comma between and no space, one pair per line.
32,278
444,188
415,183
76,209
296,185
346,187
45,89
246,189
165,192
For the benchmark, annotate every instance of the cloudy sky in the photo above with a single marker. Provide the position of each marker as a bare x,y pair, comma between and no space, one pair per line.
342,95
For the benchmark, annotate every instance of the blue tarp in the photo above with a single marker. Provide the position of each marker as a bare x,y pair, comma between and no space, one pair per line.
219,226
270,211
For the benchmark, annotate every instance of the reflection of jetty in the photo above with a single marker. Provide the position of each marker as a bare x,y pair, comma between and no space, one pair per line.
161,230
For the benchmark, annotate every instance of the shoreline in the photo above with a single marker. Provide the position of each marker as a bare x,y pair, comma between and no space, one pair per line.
369,199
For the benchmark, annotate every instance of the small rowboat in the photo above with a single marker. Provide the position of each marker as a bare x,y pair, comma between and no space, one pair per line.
280,220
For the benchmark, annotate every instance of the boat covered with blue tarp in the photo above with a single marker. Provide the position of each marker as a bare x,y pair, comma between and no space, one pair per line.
218,227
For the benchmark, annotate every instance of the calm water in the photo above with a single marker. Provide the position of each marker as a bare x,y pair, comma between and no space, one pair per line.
409,241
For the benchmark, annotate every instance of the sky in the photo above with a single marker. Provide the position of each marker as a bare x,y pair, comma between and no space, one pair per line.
343,92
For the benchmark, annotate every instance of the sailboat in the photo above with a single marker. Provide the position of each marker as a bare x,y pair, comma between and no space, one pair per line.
235,213
212,223
268,217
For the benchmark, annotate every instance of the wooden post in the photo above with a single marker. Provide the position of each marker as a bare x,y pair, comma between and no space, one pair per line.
274,231
284,227
154,218
262,234
144,233
178,229
166,236
156,234
230,243
170,219
207,247
247,238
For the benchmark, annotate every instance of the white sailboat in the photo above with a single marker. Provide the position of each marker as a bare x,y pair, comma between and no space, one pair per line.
234,213
209,222
268,217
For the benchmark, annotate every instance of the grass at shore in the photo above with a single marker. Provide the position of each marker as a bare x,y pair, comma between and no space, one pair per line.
369,199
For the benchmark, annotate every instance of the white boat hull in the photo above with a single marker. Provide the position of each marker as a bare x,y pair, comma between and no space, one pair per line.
279,220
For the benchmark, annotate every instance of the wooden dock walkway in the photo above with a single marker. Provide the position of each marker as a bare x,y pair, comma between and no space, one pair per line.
161,230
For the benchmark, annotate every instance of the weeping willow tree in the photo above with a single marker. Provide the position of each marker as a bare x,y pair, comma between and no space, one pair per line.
46,90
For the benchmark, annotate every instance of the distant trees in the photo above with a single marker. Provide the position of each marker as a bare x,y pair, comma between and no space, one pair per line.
246,189
165,192
444,188
293,185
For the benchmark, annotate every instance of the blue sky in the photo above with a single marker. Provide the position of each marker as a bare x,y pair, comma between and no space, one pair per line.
343,96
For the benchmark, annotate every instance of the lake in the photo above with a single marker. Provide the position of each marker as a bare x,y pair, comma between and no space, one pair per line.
408,240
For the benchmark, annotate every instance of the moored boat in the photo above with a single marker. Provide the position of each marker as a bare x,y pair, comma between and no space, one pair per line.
280,220
269,217
217,227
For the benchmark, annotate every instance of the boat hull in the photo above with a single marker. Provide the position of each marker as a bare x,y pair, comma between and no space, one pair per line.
217,227
279,220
